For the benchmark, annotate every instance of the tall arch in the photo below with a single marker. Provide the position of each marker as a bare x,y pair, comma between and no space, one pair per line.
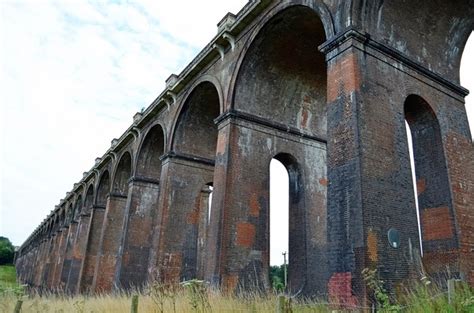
107,270
186,169
93,239
434,193
142,210
278,106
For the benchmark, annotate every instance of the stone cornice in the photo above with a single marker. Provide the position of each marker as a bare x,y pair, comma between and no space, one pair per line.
234,114
340,43
187,157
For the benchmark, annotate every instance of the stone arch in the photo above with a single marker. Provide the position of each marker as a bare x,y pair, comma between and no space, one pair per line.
148,163
296,218
62,216
195,132
122,174
70,213
103,189
433,188
78,207
89,198
282,63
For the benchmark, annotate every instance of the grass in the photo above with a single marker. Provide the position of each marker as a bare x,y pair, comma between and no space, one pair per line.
197,298
7,277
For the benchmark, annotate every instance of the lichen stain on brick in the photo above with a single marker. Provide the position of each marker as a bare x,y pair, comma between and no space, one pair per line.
420,186
245,234
436,223
343,76
254,209
372,250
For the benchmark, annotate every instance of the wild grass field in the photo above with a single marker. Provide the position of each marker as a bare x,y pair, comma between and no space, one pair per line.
195,296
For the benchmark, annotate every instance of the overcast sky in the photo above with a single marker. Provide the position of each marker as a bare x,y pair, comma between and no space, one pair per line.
73,73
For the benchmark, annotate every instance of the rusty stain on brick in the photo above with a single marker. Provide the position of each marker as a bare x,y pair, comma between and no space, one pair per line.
192,217
420,186
372,249
436,223
343,76
245,234
254,205
323,182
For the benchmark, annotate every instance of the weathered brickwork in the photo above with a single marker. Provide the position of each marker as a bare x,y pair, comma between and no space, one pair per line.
325,87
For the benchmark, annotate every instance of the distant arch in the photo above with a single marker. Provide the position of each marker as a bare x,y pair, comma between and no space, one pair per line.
122,174
103,189
89,199
149,153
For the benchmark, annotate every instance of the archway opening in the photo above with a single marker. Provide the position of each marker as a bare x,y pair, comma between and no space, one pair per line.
286,220
279,222
432,185
467,79
195,141
413,179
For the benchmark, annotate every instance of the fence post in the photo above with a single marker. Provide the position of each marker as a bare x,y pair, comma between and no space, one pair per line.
17,309
281,304
134,304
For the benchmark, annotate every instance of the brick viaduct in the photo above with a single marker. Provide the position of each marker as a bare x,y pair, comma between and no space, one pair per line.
325,87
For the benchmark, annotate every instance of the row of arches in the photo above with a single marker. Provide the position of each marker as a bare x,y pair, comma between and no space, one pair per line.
152,216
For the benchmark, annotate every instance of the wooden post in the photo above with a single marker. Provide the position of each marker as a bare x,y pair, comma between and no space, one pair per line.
134,304
17,309
281,304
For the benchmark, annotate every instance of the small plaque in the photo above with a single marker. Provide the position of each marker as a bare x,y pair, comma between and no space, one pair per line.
393,238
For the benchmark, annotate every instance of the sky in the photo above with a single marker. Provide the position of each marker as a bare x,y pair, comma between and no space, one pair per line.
73,74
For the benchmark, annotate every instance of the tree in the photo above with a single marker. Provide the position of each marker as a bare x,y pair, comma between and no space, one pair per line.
277,277
7,251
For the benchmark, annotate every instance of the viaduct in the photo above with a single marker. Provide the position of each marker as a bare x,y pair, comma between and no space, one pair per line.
325,87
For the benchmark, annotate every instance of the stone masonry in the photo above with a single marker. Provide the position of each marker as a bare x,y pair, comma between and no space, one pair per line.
325,87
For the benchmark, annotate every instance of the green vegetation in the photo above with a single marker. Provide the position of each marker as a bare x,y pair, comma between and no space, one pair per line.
7,277
277,277
7,251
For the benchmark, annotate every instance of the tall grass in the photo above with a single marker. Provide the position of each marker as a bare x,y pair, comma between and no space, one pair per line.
197,297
